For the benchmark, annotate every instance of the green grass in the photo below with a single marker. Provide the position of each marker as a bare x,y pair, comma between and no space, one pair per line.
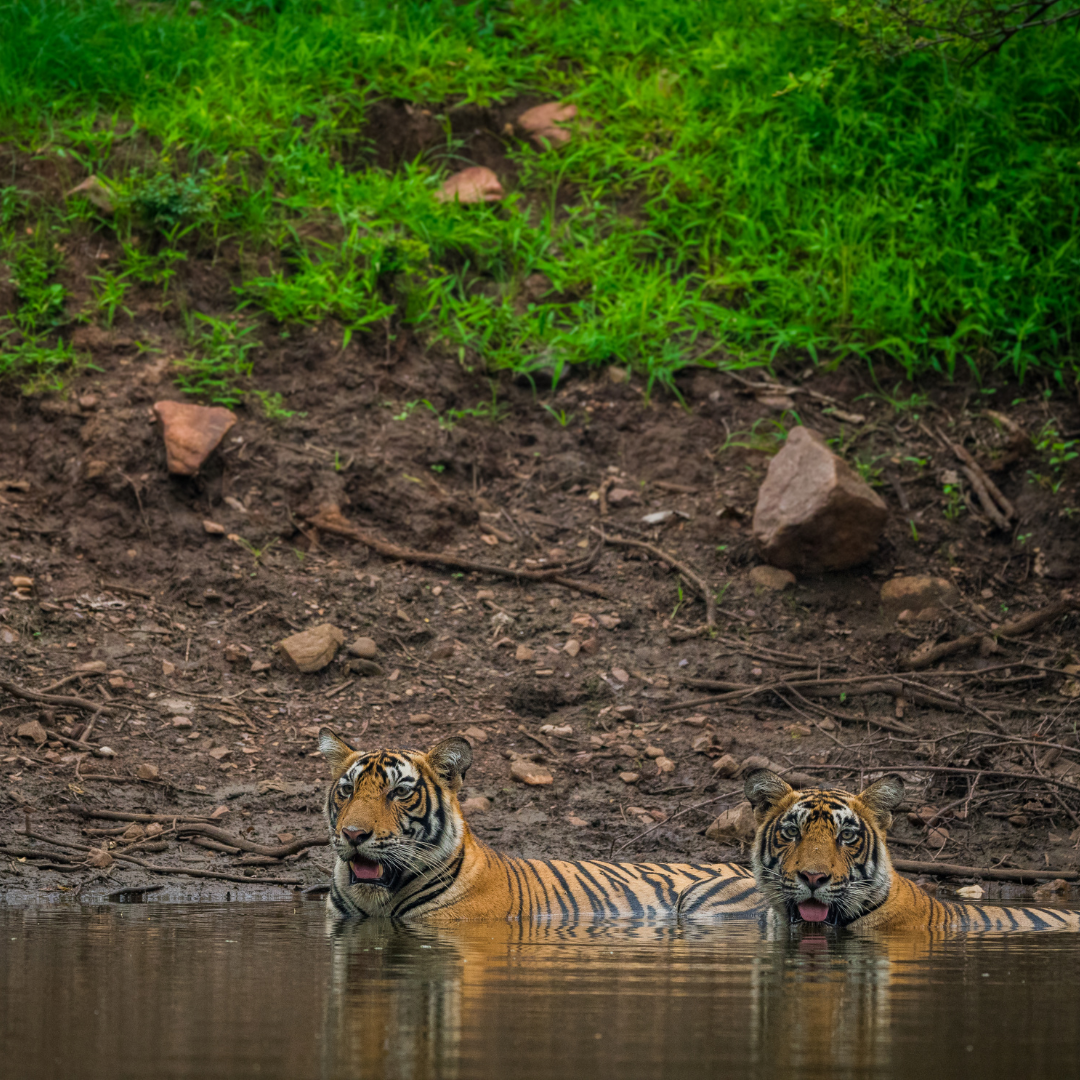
911,213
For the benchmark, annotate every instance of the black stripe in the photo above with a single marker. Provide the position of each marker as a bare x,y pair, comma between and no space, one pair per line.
567,891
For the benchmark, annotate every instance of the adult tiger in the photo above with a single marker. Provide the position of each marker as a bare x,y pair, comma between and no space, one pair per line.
820,856
404,850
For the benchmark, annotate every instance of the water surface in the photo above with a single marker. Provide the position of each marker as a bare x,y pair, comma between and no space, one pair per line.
263,990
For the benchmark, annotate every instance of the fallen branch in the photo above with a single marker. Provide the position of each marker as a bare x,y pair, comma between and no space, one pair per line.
331,520
76,744
123,815
927,655
908,866
244,880
54,699
997,508
691,575
223,837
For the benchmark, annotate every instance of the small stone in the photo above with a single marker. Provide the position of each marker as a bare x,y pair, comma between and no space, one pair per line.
259,665
219,812
524,653
364,668
665,765
100,195
572,647
311,650
619,675
106,751
618,496
629,777
541,124
923,815
725,766
181,722
590,646
220,752
1020,821
191,433
232,653
734,824
22,582
584,620
755,762
1052,890
92,667
476,805
937,837
485,594
146,771
917,594
617,375
814,512
608,622
971,892
96,468
364,647
475,734
155,828
99,859
528,772
473,185
696,721
653,752
827,724
772,578
421,718
564,730
702,743
88,402
212,528
286,837
33,730
168,668
134,831
578,823
8,636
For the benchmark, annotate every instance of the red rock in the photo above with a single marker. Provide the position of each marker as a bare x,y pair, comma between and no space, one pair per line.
734,824
472,185
541,122
191,433
147,771
814,513
312,650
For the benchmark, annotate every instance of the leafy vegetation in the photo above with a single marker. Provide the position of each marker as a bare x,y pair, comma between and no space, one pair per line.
745,184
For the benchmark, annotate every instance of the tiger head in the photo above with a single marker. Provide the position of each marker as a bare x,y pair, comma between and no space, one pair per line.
820,855
393,814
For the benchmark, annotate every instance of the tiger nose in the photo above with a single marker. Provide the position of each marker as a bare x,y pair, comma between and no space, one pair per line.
355,835
813,880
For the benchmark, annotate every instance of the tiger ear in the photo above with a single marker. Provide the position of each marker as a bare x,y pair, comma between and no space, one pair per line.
882,797
334,749
451,759
765,789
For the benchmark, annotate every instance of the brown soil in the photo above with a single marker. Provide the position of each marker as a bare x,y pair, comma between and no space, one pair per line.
186,622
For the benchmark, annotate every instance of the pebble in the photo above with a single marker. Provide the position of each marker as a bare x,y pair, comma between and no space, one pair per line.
653,752
92,666
702,743
524,653
476,805
590,646
475,734
772,577
619,675
971,892
181,722
938,837
191,433
32,729
629,777
556,729
286,837
106,751
578,823
212,528
695,721
364,668
218,753
8,636
134,831
665,765
622,496
916,594
1052,890
419,718
473,185
541,124
168,667
485,594
572,647
528,772
608,622
725,766
364,647
583,619
99,859
734,824
311,650
146,771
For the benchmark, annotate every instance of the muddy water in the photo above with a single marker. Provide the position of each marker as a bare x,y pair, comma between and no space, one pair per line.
262,990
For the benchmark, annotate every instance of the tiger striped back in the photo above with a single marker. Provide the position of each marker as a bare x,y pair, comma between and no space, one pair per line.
820,856
403,850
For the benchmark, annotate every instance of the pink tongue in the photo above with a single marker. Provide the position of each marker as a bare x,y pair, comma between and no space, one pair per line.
365,869
813,911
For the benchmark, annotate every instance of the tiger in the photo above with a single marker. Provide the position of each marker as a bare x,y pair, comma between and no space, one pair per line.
403,850
820,857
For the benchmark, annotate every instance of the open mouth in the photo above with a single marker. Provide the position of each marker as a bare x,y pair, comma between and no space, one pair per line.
813,911
365,872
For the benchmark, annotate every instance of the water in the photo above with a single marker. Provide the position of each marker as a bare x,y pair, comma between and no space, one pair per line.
262,990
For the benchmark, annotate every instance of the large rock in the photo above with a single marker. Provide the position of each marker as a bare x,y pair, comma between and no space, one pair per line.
191,433
312,650
813,511
917,593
